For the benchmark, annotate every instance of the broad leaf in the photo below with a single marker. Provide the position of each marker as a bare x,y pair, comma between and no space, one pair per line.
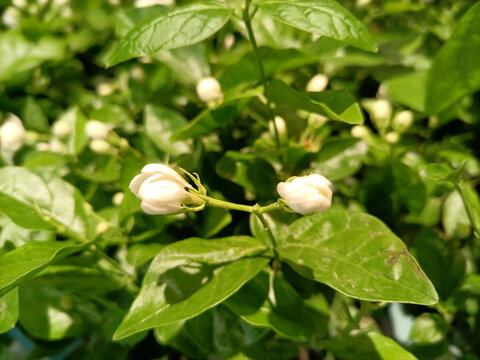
335,104
340,157
8,311
282,310
408,90
472,205
327,18
77,138
28,260
160,123
190,276
408,187
443,172
459,59
356,254
429,329
366,346
51,314
38,200
173,28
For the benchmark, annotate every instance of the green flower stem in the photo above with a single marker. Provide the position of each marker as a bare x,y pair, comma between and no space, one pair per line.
256,209
247,18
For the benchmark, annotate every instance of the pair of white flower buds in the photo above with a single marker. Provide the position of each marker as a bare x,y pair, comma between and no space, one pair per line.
163,191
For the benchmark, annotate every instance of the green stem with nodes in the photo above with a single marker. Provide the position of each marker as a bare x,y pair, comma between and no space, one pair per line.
247,18
256,209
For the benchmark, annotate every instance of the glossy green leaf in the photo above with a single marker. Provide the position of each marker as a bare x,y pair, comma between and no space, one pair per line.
8,310
190,276
50,314
339,157
160,124
214,220
38,200
282,310
335,104
366,346
173,28
326,18
28,260
459,59
139,254
33,116
278,222
356,254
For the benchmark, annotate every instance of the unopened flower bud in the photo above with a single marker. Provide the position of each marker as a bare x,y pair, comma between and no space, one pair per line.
61,128
11,17
317,83
307,194
281,128
403,120
359,131
392,137
12,133
209,90
145,3
42,146
105,88
360,3
229,41
162,190
117,198
99,146
381,112
96,129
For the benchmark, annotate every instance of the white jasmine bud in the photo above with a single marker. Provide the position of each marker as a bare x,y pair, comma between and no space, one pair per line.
96,129
392,137
11,17
281,128
317,83
56,146
99,146
359,131
19,3
117,198
145,3
403,120
360,3
61,128
12,133
105,88
229,41
209,90
42,146
382,109
162,190
307,194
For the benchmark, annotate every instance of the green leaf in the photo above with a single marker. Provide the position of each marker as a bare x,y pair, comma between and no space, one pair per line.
190,276
278,222
443,172
175,27
216,117
358,255
33,116
38,200
249,171
340,157
335,104
77,138
50,314
429,329
214,220
28,260
326,18
455,217
20,54
408,90
471,202
366,346
459,59
408,187
8,310
160,123
284,312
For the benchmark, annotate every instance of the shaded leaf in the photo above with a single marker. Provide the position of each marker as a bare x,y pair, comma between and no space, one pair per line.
8,310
